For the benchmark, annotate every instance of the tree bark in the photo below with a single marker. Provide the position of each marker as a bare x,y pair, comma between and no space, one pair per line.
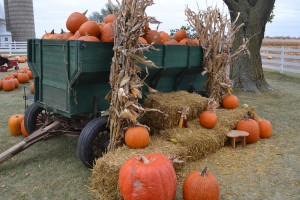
246,71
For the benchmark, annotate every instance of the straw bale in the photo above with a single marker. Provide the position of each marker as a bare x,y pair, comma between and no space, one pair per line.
105,173
170,103
191,144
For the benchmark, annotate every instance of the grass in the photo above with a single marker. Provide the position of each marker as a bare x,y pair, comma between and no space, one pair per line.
270,169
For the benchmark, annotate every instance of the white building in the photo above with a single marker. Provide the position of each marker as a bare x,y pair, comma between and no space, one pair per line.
5,36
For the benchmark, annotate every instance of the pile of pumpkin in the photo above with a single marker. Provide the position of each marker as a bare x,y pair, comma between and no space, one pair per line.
81,28
11,81
252,123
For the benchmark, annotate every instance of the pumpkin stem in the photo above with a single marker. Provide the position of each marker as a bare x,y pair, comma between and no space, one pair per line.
204,171
143,159
84,13
229,91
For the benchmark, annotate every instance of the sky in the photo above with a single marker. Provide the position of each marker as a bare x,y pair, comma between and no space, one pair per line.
53,14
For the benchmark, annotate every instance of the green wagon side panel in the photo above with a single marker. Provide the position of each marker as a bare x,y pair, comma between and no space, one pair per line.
70,75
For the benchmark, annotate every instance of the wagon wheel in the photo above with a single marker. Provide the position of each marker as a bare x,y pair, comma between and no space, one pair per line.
35,117
93,141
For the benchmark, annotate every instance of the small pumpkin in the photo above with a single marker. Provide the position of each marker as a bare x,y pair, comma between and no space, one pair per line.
151,176
164,37
9,85
89,38
152,36
208,119
48,36
75,20
202,185
23,129
230,101
265,126
137,137
14,124
180,34
250,126
142,40
29,73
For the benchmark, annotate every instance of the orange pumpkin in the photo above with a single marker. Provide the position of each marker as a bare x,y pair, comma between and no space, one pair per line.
164,37
180,34
16,82
23,129
265,128
31,87
23,78
107,34
152,36
208,119
202,185
172,42
142,40
109,18
74,37
230,101
75,20
14,124
250,126
48,36
89,38
89,27
29,73
150,176
137,137
9,85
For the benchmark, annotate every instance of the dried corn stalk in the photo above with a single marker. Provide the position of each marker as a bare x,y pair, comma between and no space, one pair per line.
216,35
124,77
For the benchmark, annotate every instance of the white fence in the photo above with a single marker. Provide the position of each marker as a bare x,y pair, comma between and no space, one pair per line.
13,48
281,59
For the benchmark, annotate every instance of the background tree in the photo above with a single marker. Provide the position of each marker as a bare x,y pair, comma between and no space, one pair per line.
108,9
246,71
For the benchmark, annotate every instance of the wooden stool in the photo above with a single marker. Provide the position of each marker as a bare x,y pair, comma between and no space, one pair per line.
236,136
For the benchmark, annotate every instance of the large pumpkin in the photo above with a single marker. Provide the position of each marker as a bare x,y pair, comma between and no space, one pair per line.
23,78
8,85
180,34
153,36
89,38
75,20
14,124
137,137
89,27
107,33
109,18
202,185
250,126
208,119
150,176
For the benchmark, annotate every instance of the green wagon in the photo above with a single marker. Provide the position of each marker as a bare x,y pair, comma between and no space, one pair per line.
71,81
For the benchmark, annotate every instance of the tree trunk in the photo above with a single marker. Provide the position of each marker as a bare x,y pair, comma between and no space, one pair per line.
246,71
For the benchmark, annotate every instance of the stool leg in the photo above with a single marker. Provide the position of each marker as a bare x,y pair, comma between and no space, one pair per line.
244,141
233,142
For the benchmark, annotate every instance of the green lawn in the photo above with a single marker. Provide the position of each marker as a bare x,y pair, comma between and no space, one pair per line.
51,169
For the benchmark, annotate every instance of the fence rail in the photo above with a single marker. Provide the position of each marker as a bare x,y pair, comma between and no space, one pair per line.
13,48
281,59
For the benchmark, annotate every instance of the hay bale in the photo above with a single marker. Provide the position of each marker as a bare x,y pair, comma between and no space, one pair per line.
105,174
170,103
192,144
